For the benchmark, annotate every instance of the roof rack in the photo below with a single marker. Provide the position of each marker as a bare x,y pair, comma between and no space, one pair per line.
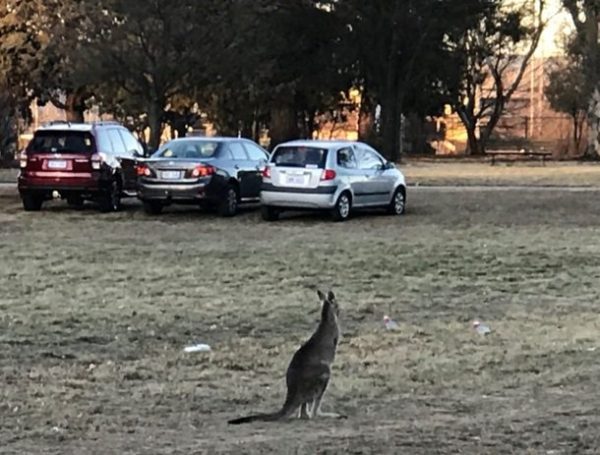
57,122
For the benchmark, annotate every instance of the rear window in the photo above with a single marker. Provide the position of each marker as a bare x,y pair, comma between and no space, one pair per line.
61,142
309,157
188,149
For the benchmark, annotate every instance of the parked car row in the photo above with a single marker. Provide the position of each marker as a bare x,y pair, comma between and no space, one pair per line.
103,162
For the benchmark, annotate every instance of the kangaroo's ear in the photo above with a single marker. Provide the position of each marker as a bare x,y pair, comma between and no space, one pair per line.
330,296
321,295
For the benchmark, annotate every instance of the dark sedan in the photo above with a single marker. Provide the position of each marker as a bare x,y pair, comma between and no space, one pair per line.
214,172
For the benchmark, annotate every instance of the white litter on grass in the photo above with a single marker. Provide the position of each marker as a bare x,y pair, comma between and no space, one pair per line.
389,323
198,348
481,329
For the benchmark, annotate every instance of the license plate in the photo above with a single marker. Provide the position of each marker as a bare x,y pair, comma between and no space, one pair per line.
57,164
171,175
296,180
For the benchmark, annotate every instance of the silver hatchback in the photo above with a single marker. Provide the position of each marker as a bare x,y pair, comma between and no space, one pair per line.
337,176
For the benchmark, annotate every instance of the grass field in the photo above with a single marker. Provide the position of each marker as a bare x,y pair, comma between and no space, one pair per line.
458,172
469,173
95,310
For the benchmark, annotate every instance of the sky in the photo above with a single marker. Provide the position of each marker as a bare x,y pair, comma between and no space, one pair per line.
559,22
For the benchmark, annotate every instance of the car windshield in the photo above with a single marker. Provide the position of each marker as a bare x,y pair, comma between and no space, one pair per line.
187,149
62,142
311,157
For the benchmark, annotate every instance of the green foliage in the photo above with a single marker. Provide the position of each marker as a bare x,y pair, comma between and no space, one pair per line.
268,63
496,48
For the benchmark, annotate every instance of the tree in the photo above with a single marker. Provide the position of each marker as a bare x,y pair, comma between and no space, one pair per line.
282,66
496,50
19,46
43,50
405,59
567,92
147,53
586,17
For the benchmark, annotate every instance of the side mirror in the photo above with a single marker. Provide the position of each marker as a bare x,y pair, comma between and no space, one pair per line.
388,165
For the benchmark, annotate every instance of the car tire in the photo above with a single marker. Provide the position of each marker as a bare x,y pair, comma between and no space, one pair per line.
110,201
75,202
228,206
32,202
397,205
269,213
343,206
153,207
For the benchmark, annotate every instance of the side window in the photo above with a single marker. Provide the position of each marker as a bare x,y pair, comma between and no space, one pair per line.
368,159
117,142
132,145
346,158
224,153
237,150
103,143
255,153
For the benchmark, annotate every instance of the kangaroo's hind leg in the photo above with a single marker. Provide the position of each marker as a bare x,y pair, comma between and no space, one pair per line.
305,410
316,408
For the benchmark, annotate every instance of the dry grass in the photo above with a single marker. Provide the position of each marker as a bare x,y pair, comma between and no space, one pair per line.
464,172
95,310
8,175
503,174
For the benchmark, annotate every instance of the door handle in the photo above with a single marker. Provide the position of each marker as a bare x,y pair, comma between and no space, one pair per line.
236,166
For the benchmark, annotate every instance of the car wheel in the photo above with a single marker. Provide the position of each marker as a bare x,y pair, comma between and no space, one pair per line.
32,202
110,201
397,205
75,202
269,213
229,205
153,207
342,208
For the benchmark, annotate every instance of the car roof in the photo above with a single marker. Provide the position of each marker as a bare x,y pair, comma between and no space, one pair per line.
209,138
76,126
320,143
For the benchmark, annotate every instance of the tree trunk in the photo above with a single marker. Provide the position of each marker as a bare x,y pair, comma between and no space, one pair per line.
593,119
155,125
366,116
366,122
75,107
390,127
473,145
284,125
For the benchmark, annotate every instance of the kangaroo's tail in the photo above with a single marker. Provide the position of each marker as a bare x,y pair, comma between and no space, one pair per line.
288,409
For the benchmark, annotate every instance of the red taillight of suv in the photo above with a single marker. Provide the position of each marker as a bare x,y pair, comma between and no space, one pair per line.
97,159
202,170
143,170
266,173
328,174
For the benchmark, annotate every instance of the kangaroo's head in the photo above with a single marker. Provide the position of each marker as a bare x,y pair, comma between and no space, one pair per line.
330,308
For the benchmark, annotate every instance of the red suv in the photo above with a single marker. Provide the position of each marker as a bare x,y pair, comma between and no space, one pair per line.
79,161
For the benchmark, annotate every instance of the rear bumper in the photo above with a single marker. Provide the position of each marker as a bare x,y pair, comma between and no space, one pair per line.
302,198
89,183
172,192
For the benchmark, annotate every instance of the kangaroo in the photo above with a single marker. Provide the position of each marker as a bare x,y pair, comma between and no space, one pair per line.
309,371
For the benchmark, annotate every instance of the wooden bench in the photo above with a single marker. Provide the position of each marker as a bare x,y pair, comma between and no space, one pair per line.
497,155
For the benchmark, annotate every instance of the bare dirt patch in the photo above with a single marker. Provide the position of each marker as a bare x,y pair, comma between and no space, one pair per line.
95,310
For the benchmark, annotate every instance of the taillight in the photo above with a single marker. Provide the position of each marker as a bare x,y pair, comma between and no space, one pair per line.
328,174
202,171
23,160
266,173
143,170
97,160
